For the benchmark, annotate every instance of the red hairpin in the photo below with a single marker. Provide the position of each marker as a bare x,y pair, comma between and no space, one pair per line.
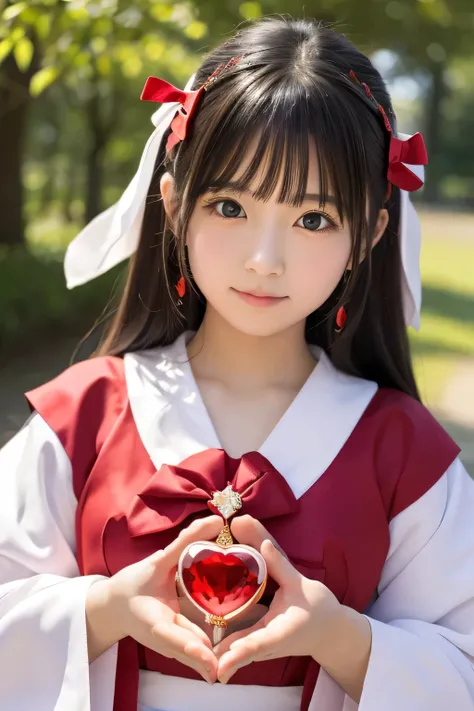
161,91
411,151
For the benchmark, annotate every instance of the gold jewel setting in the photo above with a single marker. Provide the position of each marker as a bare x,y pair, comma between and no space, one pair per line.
227,502
216,620
224,539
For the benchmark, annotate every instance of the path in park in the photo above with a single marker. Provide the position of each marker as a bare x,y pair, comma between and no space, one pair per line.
456,406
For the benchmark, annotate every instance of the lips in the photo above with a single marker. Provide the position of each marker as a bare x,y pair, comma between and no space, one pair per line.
259,298
259,294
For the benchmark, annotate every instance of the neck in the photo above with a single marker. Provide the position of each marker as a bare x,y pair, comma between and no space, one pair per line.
221,352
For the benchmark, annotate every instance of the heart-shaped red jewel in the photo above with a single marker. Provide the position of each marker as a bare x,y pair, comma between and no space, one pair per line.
222,582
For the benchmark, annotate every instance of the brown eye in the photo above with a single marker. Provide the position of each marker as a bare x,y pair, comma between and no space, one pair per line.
313,221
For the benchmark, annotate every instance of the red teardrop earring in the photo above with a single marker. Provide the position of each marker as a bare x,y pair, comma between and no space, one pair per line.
181,289
341,318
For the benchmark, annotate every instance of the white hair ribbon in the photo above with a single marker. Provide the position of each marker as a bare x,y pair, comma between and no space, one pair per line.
113,236
410,246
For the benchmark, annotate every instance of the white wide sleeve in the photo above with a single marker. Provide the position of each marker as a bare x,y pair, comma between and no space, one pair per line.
43,644
423,620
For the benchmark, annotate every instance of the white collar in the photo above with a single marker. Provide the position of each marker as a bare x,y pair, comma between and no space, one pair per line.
173,422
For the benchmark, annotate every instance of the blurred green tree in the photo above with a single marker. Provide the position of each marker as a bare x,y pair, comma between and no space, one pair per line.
89,55
93,48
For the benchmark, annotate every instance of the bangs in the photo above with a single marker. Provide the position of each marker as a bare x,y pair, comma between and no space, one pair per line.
254,133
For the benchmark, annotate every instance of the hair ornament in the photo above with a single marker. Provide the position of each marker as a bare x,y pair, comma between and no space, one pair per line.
341,318
411,151
161,91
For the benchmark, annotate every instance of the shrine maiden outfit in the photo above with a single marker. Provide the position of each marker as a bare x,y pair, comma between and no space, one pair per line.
359,485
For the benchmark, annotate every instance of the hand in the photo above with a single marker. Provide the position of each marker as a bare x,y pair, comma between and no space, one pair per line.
144,599
298,615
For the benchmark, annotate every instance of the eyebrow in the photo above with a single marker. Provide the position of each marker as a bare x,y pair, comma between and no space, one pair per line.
234,188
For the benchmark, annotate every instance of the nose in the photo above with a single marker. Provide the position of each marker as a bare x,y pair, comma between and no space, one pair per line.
266,256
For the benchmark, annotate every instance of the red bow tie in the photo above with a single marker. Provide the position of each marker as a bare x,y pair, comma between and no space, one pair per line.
176,492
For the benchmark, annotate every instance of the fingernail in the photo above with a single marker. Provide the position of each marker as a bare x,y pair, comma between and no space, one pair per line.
229,675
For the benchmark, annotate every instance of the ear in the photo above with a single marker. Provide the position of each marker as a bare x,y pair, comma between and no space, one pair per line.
380,227
168,195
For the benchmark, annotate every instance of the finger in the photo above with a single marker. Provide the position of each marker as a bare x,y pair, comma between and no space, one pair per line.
209,676
278,566
175,641
186,624
203,529
224,646
265,643
249,531
208,670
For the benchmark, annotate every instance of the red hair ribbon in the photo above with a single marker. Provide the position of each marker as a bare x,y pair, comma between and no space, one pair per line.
411,151
161,91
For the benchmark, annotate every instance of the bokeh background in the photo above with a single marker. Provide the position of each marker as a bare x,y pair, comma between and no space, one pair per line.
72,130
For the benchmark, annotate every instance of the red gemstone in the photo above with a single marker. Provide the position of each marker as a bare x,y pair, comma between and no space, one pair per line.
220,583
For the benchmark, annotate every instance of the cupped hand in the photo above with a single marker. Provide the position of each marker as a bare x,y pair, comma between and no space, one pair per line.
296,618
144,596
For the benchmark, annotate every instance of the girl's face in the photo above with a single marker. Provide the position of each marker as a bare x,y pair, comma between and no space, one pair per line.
265,266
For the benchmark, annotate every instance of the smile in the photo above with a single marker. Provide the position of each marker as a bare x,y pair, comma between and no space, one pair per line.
259,299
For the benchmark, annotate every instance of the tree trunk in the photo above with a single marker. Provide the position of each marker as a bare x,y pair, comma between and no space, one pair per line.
14,103
69,193
47,191
95,158
434,124
94,184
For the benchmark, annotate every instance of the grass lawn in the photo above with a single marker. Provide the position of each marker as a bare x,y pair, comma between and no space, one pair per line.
446,337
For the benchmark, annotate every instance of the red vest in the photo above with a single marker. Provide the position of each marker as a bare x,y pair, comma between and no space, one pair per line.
336,532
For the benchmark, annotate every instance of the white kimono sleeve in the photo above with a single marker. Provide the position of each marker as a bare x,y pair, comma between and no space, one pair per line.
43,644
423,621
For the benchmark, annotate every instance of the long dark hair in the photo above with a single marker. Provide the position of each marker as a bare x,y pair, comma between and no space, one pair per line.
292,86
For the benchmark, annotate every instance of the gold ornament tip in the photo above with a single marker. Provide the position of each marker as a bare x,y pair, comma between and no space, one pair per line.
215,620
224,539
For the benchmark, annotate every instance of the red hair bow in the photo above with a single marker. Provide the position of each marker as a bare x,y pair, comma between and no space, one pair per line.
161,91
411,151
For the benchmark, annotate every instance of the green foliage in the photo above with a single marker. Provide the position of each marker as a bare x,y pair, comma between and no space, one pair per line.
250,10
6,47
77,40
23,53
42,79
34,301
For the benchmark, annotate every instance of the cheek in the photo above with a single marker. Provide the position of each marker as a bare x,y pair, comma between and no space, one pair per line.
210,254
319,265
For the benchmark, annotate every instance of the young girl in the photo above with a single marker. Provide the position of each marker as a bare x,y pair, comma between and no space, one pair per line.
260,344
